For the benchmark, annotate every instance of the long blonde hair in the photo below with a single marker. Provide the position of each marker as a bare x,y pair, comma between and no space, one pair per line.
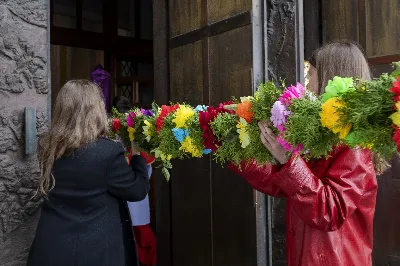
344,59
79,118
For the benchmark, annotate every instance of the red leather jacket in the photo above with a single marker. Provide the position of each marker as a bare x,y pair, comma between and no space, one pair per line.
329,209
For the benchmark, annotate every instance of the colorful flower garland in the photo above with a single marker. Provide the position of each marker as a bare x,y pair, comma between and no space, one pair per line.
351,112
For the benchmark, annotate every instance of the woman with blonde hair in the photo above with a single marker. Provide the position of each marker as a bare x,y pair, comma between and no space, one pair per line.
330,203
85,182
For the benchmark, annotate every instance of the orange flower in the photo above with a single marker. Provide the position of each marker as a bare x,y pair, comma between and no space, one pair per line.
244,111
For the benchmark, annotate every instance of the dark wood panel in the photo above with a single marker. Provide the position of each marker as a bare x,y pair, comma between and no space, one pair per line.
186,75
387,218
191,215
381,60
190,180
340,20
230,55
185,16
161,96
161,51
312,27
219,27
91,40
233,212
222,9
383,27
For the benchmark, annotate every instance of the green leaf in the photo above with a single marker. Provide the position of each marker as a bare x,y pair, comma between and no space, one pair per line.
396,72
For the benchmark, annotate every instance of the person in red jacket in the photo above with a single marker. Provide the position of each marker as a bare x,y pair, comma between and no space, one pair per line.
330,203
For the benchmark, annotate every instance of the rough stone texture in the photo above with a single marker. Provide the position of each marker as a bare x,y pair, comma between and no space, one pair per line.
281,26
23,83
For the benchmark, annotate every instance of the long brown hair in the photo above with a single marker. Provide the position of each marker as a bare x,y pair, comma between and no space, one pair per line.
79,118
343,59
340,58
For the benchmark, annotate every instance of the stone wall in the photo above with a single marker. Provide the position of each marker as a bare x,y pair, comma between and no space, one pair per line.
23,83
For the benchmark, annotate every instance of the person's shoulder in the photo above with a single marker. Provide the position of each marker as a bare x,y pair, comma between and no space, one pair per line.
109,146
353,155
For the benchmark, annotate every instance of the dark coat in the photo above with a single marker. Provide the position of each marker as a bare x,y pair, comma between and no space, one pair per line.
85,220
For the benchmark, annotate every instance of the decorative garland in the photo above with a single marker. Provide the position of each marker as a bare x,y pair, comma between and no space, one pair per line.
350,112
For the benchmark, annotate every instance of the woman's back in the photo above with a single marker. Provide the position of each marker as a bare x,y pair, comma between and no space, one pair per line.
81,219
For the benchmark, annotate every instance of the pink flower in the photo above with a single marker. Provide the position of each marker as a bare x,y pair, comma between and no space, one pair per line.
292,92
288,146
278,115
130,119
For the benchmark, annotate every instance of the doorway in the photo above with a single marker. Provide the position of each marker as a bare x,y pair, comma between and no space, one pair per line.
116,35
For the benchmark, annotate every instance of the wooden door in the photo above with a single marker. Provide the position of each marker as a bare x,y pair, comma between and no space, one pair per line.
374,24
209,51
206,214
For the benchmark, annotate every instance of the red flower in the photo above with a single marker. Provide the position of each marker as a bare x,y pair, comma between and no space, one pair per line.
149,158
396,137
116,125
165,111
205,119
396,89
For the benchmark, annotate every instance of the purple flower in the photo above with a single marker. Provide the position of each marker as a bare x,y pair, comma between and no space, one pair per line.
292,92
279,114
146,112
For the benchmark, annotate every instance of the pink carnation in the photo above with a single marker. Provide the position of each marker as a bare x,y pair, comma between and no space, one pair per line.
130,119
292,92
288,146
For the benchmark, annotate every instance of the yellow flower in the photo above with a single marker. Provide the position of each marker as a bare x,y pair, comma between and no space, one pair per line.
147,130
330,117
131,132
188,146
160,155
246,99
243,135
396,116
367,145
182,115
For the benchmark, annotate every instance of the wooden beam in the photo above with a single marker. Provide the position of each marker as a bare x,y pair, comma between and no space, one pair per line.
382,60
214,29
92,40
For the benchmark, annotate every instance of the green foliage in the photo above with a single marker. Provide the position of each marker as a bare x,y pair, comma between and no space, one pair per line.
264,98
304,127
368,110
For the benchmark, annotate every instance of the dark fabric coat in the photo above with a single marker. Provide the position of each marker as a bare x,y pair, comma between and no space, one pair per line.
85,220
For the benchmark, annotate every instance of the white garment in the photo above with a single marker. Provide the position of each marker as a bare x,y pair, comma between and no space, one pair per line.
140,210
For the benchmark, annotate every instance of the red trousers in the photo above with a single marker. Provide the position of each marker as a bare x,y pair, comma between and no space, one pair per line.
146,245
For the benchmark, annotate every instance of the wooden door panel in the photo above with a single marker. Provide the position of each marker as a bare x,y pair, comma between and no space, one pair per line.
190,181
387,218
184,16
222,9
339,16
230,65
233,211
383,36
186,74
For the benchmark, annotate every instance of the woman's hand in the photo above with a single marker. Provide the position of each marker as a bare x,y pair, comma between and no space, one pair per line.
134,149
268,138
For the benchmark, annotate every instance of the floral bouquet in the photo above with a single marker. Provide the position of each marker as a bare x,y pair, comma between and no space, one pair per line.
351,112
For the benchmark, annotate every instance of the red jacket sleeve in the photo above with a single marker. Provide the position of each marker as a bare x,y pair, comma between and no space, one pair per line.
259,177
326,202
